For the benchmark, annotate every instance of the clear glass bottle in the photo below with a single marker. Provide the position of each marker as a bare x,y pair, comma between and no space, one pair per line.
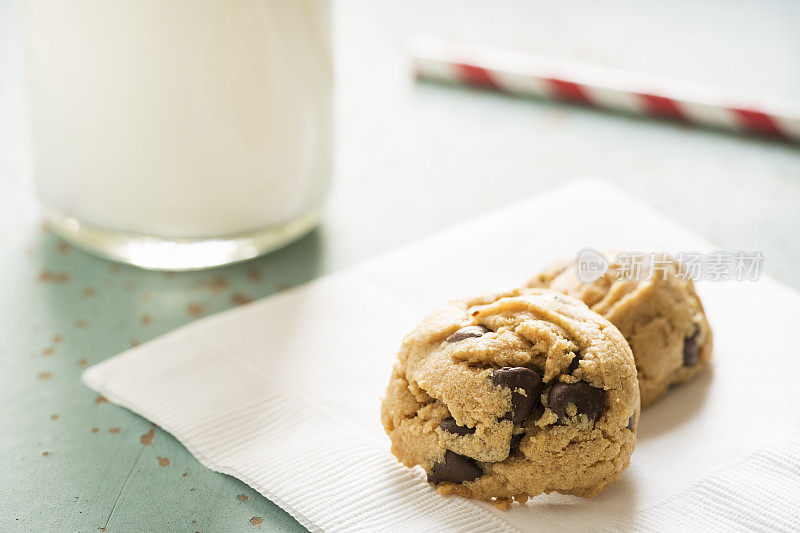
180,134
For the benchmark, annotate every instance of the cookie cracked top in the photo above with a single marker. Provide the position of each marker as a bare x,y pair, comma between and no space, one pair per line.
509,395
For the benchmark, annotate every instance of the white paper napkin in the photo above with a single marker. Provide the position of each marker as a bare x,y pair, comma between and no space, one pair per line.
284,393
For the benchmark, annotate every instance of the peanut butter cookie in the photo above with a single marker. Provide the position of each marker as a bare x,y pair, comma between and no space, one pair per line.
508,396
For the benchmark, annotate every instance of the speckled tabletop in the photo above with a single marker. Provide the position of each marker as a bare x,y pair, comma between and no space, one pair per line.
412,159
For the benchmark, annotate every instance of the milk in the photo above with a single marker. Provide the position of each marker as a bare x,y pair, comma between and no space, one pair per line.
180,119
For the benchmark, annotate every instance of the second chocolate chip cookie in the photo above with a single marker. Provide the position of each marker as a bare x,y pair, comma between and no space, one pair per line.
658,312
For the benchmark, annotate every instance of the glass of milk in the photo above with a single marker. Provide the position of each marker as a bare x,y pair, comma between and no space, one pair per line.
180,134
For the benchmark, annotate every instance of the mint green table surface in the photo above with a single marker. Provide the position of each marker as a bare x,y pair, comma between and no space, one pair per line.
411,159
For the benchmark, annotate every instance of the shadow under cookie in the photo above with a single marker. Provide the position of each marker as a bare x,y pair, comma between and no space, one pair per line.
683,402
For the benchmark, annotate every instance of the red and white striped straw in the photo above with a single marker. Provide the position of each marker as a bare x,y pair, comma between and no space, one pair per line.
618,90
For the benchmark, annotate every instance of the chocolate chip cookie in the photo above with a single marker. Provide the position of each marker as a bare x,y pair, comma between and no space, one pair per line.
657,311
511,395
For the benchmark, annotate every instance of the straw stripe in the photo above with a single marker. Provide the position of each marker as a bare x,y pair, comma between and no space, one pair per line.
604,88
661,106
758,122
569,91
477,76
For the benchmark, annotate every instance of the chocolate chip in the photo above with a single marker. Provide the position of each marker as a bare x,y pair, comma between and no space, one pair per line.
515,440
467,332
515,378
573,365
538,409
630,423
451,426
587,400
691,351
536,412
455,469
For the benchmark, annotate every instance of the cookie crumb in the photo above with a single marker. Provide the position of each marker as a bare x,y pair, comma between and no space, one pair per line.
46,276
195,309
500,503
254,275
215,285
240,299
147,438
